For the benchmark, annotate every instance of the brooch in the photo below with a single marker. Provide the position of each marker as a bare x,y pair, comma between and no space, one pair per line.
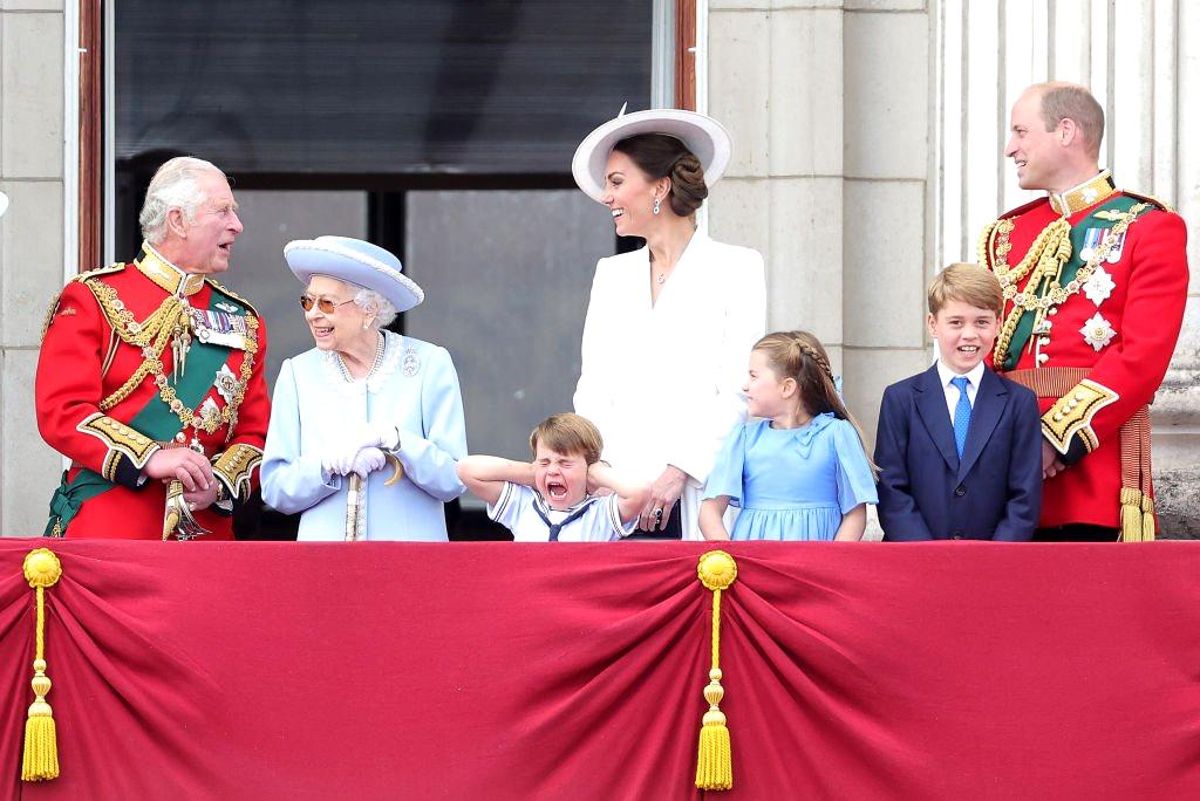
411,365
1097,331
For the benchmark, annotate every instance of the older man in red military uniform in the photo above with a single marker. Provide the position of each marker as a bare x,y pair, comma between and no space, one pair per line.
1095,280
150,377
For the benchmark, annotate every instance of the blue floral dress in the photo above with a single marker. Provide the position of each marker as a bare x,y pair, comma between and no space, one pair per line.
792,483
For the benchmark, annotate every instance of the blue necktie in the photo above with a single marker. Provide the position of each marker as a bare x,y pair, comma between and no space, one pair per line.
962,414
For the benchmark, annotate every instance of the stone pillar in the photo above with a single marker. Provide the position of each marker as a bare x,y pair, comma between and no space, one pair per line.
31,245
829,107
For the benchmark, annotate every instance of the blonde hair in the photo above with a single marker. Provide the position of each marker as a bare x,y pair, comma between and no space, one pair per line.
799,355
568,433
966,283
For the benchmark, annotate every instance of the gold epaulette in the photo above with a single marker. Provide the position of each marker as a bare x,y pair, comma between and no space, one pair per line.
115,267
83,277
227,291
1161,204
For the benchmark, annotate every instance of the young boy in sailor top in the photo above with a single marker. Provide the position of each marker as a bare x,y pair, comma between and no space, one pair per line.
553,498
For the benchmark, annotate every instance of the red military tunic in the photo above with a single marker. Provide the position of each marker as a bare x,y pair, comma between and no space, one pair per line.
107,366
1091,326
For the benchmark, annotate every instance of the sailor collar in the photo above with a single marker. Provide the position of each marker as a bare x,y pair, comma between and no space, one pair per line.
1088,193
175,281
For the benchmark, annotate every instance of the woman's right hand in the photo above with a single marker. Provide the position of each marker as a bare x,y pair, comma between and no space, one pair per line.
367,461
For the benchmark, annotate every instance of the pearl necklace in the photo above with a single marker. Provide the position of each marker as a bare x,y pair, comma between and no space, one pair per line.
345,371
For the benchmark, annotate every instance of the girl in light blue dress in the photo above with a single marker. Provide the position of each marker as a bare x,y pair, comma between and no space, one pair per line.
800,472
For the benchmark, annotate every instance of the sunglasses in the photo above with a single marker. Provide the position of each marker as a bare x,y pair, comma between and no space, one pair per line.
326,305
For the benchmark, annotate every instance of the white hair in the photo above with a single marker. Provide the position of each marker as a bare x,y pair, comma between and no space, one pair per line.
385,310
174,186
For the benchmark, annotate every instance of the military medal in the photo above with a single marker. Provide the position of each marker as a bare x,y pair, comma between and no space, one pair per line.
1091,243
1114,252
1097,331
226,383
1099,287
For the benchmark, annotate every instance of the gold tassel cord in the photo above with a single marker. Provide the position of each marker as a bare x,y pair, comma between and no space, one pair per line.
40,760
714,760
1131,515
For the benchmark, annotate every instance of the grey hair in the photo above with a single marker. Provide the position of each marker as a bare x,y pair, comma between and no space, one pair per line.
174,186
385,310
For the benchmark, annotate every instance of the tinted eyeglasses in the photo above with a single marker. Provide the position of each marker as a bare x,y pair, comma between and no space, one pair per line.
326,305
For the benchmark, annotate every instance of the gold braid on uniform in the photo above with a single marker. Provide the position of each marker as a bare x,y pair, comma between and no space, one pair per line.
1045,259
152,337
234,467
1046,273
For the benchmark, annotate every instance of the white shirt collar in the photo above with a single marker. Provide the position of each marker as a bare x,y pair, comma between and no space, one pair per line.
974,375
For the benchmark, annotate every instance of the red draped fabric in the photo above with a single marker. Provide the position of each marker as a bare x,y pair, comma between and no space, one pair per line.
575,671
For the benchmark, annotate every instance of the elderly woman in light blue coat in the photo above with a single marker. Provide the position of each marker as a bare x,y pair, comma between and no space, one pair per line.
367,426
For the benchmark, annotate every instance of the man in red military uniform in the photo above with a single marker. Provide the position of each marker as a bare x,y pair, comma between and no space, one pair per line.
1095,280
150,377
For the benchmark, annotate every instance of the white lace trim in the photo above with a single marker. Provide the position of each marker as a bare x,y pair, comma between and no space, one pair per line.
393,351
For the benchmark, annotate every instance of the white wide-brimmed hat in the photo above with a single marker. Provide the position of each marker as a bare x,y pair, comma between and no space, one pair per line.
706,138
356,262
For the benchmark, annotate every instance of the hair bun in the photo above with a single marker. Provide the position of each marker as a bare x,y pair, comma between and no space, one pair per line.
688,189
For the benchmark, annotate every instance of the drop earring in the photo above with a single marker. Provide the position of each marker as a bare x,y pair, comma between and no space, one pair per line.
657,206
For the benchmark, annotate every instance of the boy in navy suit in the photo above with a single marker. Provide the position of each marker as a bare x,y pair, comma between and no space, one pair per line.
959,447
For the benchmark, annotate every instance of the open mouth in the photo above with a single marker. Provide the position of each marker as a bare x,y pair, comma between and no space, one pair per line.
618,213
968,349
556,491
322,330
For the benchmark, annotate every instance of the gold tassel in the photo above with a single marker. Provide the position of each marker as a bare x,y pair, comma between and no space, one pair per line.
714,761
1131,515
40,760
1148,527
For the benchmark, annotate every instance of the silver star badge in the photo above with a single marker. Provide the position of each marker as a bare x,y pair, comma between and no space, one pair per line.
1097,331
1099,287
226,383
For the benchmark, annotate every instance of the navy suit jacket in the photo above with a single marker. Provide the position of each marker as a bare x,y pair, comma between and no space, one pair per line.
926,492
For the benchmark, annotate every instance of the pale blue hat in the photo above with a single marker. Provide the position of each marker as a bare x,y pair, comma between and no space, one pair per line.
356,262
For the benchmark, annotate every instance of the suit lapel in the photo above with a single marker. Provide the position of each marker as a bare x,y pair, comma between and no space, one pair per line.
931,405
985,414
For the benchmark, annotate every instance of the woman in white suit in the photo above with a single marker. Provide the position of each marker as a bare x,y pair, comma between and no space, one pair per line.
669,326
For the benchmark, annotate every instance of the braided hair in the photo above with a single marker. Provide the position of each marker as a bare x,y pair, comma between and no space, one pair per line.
800,356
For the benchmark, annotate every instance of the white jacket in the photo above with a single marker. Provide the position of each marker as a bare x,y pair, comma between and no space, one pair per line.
663,382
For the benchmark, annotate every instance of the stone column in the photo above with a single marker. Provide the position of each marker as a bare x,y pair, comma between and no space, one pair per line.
31,245
829,107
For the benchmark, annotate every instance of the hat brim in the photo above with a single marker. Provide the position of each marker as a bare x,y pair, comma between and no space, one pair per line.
706,138
309,257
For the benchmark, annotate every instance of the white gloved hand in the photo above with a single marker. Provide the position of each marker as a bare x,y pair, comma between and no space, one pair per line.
367,461
340,456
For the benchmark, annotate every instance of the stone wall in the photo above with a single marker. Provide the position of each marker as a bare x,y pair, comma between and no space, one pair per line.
829,107
31,244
